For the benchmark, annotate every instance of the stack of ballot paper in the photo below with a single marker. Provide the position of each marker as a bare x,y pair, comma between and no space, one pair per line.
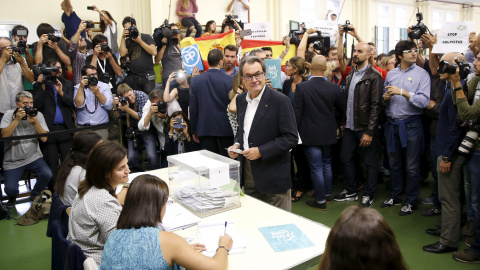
204,199
177,217
209,232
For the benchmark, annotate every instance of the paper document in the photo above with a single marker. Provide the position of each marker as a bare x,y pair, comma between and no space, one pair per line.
177,217
210,232
285,237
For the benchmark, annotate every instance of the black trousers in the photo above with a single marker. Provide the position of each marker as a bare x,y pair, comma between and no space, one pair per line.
189,22
216,144
56,146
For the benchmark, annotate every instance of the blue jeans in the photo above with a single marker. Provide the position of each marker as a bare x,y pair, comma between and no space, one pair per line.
319,159
473,168
38,167
412,156
150,140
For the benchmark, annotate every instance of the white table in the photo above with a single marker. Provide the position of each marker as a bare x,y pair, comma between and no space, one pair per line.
259,254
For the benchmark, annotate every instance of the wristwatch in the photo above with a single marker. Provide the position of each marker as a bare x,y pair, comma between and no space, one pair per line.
445,159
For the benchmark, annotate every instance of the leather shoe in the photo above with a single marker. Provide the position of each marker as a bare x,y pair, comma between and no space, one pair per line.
434,232
439,248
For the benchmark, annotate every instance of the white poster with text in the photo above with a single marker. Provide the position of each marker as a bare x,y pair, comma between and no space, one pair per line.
260,31
453,37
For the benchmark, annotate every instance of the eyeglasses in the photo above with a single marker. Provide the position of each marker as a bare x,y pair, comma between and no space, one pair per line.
257,76
411,51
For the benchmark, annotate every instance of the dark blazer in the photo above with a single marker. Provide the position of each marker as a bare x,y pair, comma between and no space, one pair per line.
44,101
313,106
274,132
208,104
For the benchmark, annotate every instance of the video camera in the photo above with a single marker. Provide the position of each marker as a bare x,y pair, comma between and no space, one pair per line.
165,31
229,20
320,42
48,78
133,30
446,67
419,29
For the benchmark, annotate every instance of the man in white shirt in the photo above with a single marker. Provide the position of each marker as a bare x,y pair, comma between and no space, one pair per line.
240,8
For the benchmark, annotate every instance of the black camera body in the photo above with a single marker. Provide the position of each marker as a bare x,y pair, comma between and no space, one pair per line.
92,80
48,78
346,26
90,24
104,77
162,106
53,37
22,46
132,134
104,47
165,31
123,101
28,111
13,47
133,30
419,29
446,67
320,42
125,65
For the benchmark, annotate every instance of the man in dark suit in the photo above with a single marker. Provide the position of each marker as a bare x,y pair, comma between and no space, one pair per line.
208,106
266,133
313,106
55,102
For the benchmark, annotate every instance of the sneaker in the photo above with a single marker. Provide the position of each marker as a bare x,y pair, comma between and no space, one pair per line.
389,202
427,200
407,209
319,206
344,196
431,211
11,202
367,202
466,256
469,228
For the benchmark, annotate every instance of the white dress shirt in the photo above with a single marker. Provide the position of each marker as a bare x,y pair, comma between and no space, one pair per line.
252,105
240,10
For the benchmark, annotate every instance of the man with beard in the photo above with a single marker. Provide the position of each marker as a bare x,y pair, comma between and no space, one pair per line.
105,62
78,53
407,94
229,58
365,88
55,101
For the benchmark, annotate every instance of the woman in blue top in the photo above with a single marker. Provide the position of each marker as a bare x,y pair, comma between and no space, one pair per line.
138,243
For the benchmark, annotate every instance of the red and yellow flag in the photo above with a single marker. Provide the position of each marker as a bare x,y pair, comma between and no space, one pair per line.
205,44
277,47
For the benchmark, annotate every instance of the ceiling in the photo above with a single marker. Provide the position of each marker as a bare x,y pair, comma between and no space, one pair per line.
459,1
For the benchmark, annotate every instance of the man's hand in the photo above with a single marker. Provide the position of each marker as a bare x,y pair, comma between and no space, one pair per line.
53,45
108,55
40,78
94,89
286,41
310,31
6,54
268,82
82,26
393,90
164,42
32,119
195,71
387,96
431,104
84,81
20,114
126,33
366,140
59,87
233,154
252,153
429,40
19,58
43,39
445,167
455,77
97,50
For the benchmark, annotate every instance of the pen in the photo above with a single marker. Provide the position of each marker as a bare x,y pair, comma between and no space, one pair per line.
225,228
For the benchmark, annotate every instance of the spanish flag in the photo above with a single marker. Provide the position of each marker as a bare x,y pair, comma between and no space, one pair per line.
205,44
277,47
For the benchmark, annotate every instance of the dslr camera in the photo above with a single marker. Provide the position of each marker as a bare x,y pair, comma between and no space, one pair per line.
132,133
162,106
55,37
92,80
13,47
104,77
419,29
123,101
28,111
229,20
346,26
48,78
125,65
320,43
165,31
133,30
90,24
104,47
21,44
446,67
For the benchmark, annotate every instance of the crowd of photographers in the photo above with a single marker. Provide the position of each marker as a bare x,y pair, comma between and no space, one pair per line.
403,113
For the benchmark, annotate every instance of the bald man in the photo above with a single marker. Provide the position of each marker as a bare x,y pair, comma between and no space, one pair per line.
365,88
449,137
313,107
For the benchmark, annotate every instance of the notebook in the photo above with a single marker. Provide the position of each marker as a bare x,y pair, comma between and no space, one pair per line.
209,233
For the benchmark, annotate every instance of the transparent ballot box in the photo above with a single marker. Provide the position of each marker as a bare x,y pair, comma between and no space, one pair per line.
203,182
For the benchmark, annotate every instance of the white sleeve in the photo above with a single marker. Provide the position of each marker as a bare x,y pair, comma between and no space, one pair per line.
145,110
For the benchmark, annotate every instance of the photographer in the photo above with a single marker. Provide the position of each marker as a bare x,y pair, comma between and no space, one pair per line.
78,52
24,154
20,39
53,97
178,140
240,8
169,54
92,100
470,113
105,62
155,112
70,19
140,47
50,45
186,14
129,105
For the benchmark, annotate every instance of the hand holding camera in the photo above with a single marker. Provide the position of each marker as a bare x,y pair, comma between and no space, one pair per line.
171,77
7,53
97,50
20,114
82,26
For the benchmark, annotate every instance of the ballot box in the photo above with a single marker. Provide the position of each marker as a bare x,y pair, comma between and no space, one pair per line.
204,182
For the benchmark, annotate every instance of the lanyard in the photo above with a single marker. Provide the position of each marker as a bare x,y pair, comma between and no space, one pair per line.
339,81
104,64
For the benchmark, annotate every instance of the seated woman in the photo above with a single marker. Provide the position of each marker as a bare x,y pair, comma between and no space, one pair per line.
361,239
181,93
138,242
237,88
96,209
177,138
186,10
72,170
210,28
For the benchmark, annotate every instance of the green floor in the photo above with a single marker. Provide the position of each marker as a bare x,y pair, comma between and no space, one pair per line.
29,248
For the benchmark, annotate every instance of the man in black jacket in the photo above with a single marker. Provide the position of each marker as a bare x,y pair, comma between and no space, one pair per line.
55,101
365,89
313,106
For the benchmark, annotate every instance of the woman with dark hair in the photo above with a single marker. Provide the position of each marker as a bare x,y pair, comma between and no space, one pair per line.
210,28
361,239
72,170
181,93
297,70
138,242
177,138
96,209
108,26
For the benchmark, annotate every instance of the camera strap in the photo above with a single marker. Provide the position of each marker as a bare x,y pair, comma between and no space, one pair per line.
103,69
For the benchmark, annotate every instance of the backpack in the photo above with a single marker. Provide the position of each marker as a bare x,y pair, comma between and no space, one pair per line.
40,209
